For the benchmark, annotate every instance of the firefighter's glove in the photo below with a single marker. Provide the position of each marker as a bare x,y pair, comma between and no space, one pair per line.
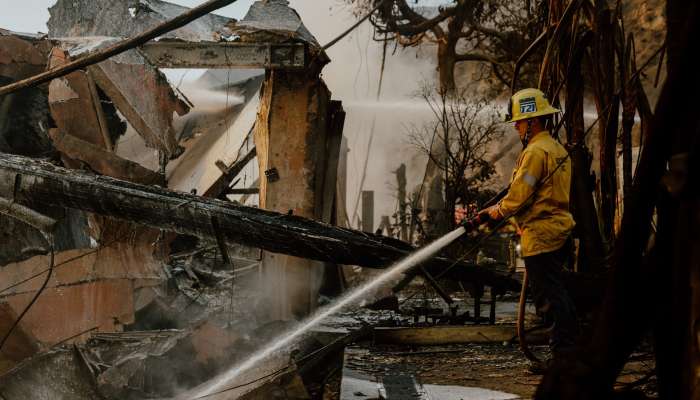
491,216
470,224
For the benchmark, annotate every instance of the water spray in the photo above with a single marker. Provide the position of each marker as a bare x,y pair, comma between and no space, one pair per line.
219,384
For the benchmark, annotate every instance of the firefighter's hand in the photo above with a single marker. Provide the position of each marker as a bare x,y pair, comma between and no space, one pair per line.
494,214
460,215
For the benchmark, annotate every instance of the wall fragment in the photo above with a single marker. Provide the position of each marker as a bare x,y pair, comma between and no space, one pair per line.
102,161
145,98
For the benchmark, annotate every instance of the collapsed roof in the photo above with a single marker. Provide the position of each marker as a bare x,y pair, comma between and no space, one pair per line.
273,18
80,18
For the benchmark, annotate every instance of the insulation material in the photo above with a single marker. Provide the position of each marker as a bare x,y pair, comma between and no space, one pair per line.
220,140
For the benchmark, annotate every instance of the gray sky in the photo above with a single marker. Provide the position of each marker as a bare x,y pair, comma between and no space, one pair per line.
31,15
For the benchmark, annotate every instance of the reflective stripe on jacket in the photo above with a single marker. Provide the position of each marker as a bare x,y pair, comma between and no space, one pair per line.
547,223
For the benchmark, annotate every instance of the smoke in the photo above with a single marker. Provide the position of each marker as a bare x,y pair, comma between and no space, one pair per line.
353,77
282,342
207,100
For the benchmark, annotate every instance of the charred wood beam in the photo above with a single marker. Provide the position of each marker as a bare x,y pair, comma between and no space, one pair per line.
27,215
217,55
101,160
229,174
118,48
253,190
37,182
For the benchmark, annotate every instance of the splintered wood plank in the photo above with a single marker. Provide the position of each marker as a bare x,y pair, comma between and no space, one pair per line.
101,160
439,335
144,96
71,103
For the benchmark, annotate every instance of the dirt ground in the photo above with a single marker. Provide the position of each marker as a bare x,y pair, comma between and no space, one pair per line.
495,367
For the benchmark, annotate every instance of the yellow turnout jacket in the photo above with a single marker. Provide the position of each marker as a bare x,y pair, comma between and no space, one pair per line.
547,222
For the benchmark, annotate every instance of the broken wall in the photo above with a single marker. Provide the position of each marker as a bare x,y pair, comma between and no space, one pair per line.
90,289
24,126
76,122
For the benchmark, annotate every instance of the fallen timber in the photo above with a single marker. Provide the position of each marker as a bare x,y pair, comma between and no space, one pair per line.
36,183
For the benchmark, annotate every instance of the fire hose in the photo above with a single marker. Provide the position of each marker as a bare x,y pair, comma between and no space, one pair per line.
471,225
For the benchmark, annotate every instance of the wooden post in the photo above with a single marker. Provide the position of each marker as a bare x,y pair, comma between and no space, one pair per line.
368,210
291,141
401,180
341,208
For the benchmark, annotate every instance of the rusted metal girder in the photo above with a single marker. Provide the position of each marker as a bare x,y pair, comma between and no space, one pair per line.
215,55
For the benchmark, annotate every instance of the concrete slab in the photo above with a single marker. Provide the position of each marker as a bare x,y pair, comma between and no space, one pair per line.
401,384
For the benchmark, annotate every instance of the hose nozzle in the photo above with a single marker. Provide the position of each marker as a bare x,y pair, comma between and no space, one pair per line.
472,224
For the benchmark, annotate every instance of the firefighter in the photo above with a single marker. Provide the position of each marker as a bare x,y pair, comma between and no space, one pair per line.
538,202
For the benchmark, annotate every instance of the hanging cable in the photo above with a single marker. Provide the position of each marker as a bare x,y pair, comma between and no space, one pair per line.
50,240
66,262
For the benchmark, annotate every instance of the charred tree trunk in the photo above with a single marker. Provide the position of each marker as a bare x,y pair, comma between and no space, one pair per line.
663,279
607,104
447,48
628,99
677,250
592,252
33,182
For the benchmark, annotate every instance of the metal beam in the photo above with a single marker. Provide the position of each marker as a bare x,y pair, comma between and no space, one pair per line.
214,55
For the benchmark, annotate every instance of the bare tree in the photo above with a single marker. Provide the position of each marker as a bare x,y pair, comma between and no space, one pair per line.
457,142
493,32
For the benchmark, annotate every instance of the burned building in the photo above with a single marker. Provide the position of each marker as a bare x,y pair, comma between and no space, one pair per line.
133,281
109,275
188,238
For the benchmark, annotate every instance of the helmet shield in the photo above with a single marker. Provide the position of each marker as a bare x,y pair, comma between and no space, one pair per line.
528,103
